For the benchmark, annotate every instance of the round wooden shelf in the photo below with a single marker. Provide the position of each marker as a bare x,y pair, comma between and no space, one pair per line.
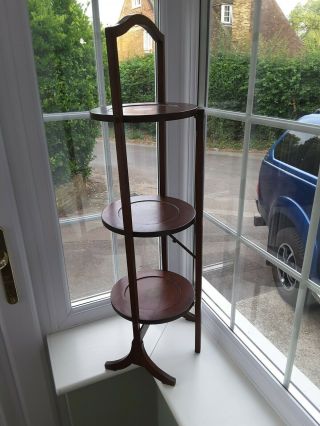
146,112
152,216
163,296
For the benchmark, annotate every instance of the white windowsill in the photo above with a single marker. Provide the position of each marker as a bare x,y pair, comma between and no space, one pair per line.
210,387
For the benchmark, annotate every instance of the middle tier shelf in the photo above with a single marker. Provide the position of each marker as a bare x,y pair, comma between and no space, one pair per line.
152,216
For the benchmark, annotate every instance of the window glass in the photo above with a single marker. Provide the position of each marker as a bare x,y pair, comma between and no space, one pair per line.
136,3
278,181
226,14
229,58
223,169
82,152
64,55
288,62
262,313
218,264
305,375
268,221
300,150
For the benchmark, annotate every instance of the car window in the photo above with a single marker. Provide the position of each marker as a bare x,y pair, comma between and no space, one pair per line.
300,150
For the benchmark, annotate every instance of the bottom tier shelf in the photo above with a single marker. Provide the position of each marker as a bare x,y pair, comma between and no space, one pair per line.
163,296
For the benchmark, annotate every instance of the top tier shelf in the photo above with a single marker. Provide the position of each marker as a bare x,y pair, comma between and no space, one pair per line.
146,112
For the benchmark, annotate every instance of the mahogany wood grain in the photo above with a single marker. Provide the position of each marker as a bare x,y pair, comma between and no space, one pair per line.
163,296
145,112
152,216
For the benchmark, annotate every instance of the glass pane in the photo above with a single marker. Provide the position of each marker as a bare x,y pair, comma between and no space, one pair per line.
78,165
64,55
76,156
79,156
306,375
223,169
280,191
218,260
112,12
229,56
89,257
262,314
135,43
289,61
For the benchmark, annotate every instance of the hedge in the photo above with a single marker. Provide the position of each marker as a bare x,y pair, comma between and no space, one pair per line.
286,87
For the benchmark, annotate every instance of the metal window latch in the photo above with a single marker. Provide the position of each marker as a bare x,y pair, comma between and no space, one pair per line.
6,272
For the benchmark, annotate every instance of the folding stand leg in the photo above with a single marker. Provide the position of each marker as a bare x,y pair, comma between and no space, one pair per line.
189,316
139,356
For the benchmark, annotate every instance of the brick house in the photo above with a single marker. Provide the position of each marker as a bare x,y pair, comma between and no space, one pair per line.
232,23
137,41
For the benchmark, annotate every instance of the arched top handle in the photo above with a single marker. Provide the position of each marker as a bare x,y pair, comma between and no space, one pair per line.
130,21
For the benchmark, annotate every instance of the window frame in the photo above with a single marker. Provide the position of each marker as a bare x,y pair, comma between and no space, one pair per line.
136,4
224,8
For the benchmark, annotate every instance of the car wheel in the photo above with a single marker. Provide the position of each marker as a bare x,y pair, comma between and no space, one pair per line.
290,249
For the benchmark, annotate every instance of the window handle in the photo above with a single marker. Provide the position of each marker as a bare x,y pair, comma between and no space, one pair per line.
6,272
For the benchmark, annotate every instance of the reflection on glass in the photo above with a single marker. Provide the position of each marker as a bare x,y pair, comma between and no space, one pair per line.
223,169
218,258
89,257
261,307
76,157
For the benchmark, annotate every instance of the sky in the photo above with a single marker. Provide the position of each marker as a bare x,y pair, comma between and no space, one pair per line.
288,5
110,9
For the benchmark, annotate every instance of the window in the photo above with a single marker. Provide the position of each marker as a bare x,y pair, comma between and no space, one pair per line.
254,274
82,152
300,150
147,42
136,3
226,14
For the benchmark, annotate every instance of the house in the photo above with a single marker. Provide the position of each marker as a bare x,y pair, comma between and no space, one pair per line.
137,42
231,22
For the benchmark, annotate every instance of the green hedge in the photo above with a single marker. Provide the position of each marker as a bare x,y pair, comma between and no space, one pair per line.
138,85
286,87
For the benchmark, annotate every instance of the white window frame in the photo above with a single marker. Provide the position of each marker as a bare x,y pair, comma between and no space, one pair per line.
249,118
136,4
147,42
226,14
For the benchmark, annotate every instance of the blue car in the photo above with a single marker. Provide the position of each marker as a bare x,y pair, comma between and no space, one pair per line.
286,187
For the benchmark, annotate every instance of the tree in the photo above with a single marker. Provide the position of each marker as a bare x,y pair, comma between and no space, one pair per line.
64,56
305,19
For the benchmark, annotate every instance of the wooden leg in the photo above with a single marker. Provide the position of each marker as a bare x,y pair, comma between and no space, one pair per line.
119,364
189,316
139,356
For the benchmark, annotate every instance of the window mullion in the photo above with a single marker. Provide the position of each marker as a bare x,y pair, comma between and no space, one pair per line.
246,143
305,272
